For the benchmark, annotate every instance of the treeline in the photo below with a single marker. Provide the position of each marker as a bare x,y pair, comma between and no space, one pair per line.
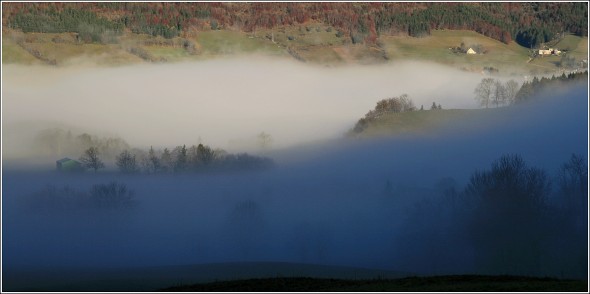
57,142
517,219
530,24
537,86
493,92
200,158
386,106
89,26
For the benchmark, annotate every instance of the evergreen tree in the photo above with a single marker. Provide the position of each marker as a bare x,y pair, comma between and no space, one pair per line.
180,162
166,160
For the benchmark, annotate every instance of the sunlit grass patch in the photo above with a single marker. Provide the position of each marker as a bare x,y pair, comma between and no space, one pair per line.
437,48
13,53
168,53
221,42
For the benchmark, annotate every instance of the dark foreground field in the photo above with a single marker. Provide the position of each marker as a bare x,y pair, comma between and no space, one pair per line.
462,283
267,276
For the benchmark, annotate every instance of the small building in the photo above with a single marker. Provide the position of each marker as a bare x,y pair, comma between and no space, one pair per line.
549,51
471,51
544,52
68,165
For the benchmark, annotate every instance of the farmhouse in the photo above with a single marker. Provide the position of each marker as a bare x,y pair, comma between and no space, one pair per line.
471,51
68,165
549,51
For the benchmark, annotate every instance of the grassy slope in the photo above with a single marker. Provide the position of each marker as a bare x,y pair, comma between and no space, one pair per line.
435,47
313,42
64,51
576,46
215,43
412,284
13,53
419,122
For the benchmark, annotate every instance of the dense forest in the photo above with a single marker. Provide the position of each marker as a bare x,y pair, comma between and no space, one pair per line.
530,24
536,86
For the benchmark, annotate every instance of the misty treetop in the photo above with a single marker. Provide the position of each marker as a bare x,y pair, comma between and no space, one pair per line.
59,142
493,92
530,24
200,158
536,86
91,160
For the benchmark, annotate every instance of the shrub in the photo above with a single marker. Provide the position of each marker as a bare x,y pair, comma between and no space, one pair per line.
111,196
68,200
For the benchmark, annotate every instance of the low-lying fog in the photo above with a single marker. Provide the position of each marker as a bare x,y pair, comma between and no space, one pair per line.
224,103
381,203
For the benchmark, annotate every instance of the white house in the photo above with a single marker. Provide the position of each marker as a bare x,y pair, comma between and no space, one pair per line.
471,51
549,51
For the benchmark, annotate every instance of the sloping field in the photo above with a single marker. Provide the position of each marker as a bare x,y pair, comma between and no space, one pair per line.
418,122
315,43
13,53
437,48
224,42
575,46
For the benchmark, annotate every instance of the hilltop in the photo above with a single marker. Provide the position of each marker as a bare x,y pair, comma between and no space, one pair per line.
320,33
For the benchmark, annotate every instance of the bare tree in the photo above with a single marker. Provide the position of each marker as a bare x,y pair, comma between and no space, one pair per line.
499,93
127,163
507,223
204,154
484,91
90,159
264,140
511,90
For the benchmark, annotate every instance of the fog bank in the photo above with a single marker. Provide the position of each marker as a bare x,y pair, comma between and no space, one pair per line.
223,103
371,203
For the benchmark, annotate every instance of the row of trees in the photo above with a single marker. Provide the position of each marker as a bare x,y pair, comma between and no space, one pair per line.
57,142
493,92
530,24
517,219
537,86
89,26
180,160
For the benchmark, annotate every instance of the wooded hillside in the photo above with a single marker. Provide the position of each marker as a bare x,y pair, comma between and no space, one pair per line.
530,24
